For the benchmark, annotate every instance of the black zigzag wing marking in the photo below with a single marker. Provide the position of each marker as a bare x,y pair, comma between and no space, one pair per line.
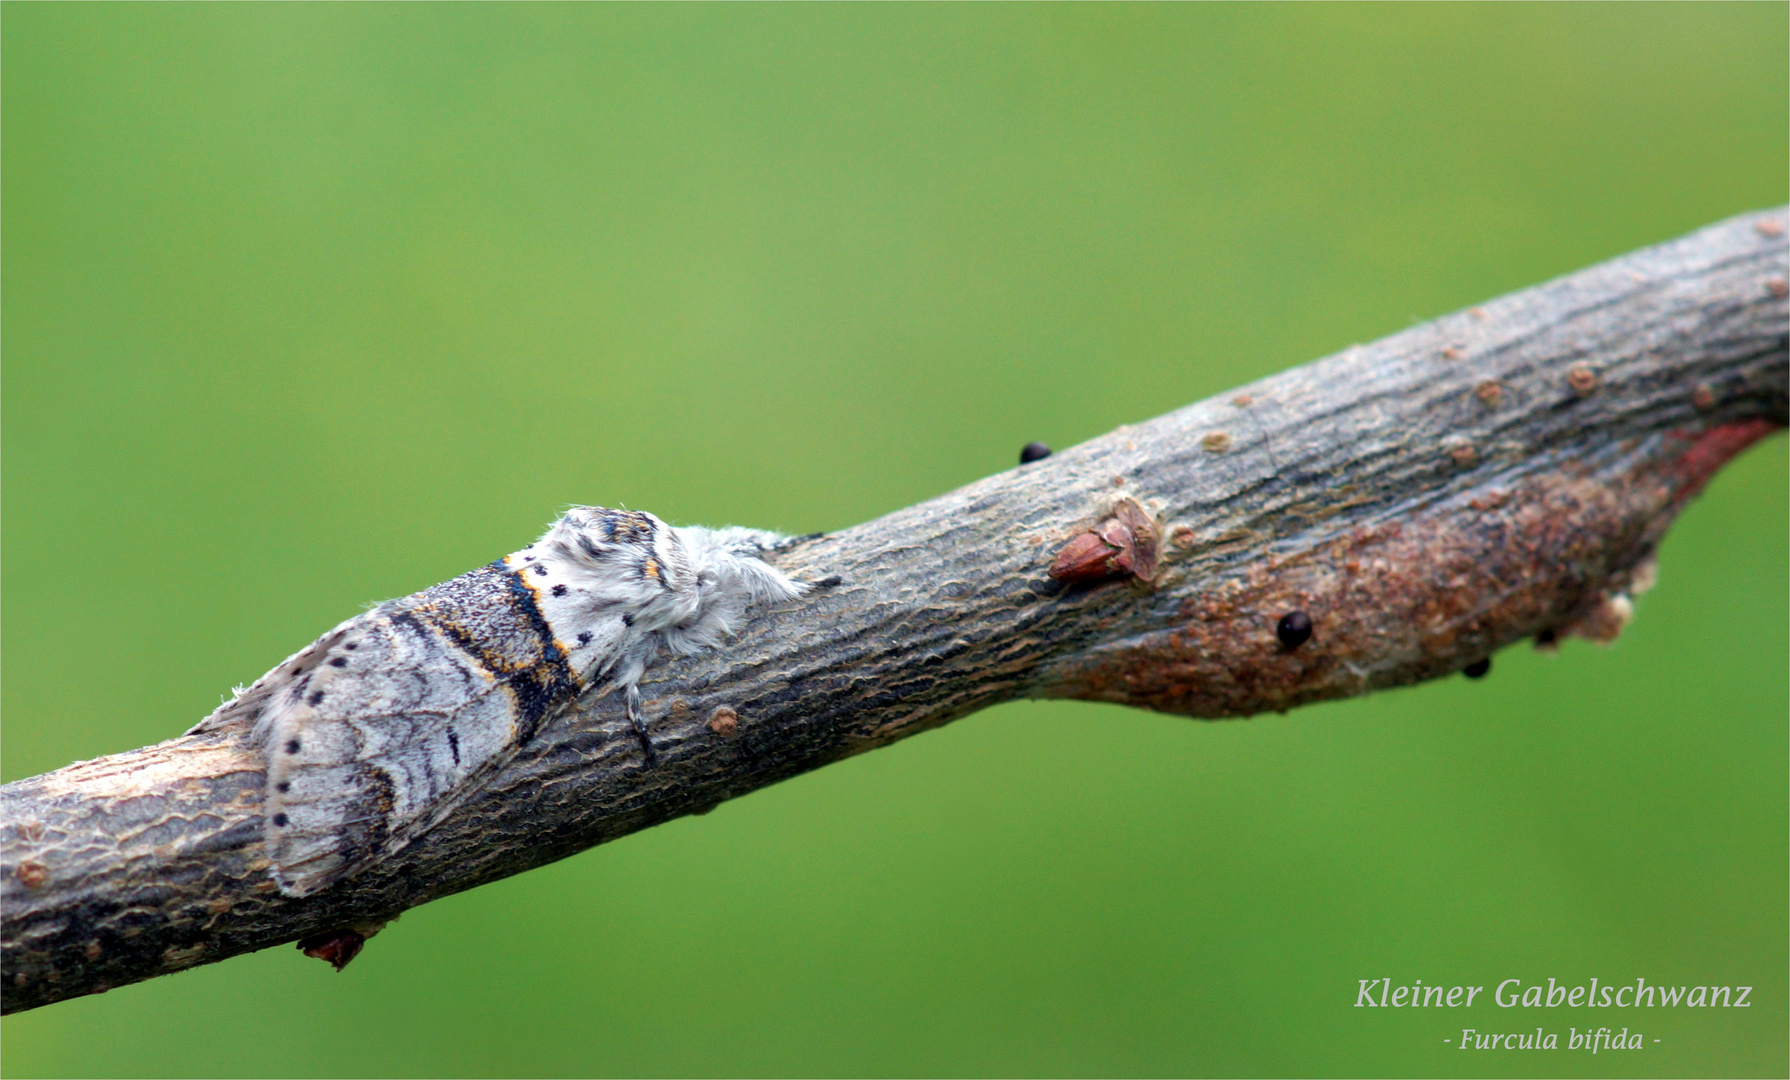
403,719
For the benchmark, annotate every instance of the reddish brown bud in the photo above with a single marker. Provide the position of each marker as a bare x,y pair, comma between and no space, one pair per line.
1138,557
1126,544
1086,558
1114,532
337,947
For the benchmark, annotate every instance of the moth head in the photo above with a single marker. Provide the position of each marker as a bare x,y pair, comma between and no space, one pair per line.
726,577
731,562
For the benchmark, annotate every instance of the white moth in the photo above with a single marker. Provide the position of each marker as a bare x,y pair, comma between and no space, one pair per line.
381,727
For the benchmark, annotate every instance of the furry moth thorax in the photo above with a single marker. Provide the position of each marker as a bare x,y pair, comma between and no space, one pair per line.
378,729
691,585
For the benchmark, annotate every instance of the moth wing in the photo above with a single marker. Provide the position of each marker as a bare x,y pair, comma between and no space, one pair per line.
246,707
379,742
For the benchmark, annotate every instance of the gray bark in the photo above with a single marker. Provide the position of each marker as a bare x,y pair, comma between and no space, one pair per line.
1496,474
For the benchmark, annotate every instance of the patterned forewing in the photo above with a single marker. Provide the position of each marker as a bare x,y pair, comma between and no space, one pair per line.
382,727
402,719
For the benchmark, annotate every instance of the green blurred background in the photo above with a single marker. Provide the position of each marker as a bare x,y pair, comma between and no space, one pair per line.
307,306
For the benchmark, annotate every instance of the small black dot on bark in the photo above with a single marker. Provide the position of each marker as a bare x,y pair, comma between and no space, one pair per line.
1294,629
1033,451
1478,669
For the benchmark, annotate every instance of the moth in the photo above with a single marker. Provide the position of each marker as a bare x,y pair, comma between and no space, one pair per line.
377,730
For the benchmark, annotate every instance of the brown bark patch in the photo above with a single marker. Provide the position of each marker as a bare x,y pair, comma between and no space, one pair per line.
1399,602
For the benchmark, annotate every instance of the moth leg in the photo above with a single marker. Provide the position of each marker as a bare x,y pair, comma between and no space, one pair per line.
646,742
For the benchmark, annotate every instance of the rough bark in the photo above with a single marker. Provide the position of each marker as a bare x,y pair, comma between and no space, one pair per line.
1500,473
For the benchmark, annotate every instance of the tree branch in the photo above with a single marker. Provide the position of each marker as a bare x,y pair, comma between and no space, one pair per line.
1496,474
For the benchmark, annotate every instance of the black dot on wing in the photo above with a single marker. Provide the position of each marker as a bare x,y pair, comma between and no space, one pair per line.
280,819
283,786
292,746
627,620
338,661
316,696
352,645
559,590
584,638
541,570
